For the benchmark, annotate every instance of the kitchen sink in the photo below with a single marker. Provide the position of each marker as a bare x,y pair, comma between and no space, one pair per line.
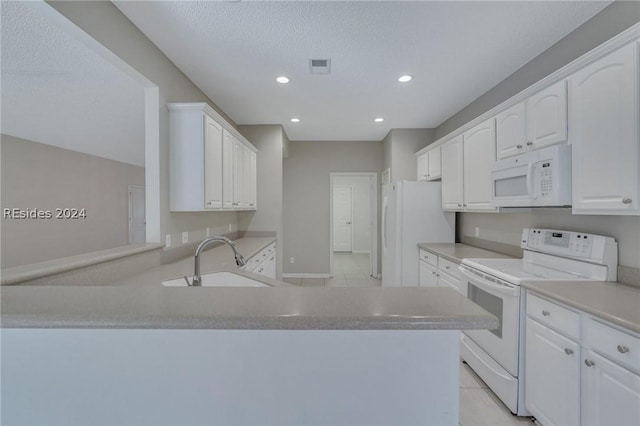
218,279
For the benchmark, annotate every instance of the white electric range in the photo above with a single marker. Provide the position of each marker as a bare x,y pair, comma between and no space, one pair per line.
497,356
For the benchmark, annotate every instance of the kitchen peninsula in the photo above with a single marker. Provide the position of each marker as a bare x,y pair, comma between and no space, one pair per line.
233,356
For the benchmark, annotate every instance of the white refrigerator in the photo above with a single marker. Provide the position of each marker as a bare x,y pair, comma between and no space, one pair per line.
411,214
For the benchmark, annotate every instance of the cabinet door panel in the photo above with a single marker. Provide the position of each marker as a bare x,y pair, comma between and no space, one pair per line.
452,174
604,133
238,173
423,167
610,393
547,116
212,164
435,171
511,131
552,371
428,275
479,158
227,169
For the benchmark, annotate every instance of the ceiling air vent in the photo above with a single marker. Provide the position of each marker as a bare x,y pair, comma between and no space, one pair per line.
320,66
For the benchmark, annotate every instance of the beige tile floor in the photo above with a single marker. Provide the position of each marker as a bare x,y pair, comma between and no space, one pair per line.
349,270
481,407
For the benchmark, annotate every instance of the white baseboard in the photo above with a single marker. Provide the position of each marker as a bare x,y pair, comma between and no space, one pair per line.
306,276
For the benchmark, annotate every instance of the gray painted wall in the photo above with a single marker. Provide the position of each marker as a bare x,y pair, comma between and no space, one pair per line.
507,227
105,23
400,146
46,177
306,197
270,141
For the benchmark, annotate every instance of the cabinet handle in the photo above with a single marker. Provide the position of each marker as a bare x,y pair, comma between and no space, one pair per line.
459,205
272,258
433,273
623,349
545,313
519,146
235,204
589,363
626,200
568,351
447,267
529,143
260,270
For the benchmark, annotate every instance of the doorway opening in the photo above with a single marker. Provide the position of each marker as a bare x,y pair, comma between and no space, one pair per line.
353,245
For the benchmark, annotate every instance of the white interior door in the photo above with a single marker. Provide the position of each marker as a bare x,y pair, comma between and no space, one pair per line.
137,223
342,218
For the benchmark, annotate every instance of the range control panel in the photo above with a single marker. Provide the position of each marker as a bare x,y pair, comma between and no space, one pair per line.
580,245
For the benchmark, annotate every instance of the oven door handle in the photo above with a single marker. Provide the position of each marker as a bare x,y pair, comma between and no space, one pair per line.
530,188
480,282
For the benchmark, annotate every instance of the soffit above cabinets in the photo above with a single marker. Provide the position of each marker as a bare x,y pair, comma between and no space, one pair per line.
455,51
57,91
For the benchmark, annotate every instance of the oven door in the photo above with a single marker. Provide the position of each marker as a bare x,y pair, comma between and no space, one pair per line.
501,299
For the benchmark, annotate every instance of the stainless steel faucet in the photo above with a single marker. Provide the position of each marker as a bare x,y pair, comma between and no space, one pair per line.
197,279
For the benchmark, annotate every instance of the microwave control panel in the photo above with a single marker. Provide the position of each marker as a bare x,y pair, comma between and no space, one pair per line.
580,245
544,177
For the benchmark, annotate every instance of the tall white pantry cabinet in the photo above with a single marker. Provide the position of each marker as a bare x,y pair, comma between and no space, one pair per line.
212,167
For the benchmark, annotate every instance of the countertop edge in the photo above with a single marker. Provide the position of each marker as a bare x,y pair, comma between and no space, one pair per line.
620,322
50,267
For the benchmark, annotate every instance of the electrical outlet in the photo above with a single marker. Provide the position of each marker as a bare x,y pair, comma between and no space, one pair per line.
477,231
185,237
292,259
167,241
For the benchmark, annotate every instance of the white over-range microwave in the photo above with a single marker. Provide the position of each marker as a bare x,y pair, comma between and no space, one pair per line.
540,178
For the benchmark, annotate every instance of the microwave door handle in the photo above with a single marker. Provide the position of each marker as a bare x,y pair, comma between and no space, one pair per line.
530,181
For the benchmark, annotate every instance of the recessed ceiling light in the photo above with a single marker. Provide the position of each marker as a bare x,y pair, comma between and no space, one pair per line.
295,120
282,79
405,78
379,120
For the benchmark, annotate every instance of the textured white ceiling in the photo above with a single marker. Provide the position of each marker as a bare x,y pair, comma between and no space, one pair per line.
57,91
456,51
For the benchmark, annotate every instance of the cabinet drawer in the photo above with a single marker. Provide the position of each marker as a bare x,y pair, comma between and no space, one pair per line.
614,344
429,257
449,267
555,316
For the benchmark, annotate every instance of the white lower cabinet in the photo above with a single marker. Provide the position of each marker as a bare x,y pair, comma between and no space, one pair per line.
610,393
593,380
436,271
428,275
552,386
264,262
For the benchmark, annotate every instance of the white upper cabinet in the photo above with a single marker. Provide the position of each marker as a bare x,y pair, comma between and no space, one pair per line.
228,142
511,134
429,165
435,169
212,164
423,167
547,116
208,170
603,120
452,174
479,158
539,121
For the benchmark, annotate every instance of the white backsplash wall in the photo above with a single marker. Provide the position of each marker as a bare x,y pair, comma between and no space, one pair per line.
507,228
